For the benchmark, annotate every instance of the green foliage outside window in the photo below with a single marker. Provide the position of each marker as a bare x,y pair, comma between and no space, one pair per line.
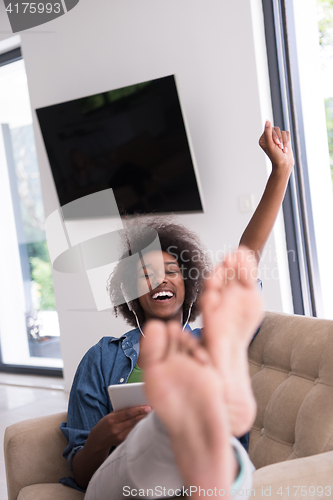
325,22
41,274
325,26
329,125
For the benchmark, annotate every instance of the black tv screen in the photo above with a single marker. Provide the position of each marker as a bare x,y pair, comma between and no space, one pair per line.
132,140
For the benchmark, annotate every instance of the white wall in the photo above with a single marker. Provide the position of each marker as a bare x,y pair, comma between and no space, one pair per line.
216,49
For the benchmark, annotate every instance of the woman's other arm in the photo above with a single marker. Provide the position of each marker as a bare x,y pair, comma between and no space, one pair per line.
110,431
276,144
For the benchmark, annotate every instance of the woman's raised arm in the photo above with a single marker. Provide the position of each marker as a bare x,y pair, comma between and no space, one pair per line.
276,144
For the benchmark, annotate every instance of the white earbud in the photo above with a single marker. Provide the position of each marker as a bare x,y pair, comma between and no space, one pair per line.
131,309
189,313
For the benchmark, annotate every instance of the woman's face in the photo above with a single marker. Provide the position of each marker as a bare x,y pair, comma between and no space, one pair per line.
167,290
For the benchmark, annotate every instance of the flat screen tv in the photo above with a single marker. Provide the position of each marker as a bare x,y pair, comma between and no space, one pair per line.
132,140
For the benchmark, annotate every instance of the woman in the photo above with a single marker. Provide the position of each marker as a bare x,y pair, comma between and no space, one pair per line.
93,430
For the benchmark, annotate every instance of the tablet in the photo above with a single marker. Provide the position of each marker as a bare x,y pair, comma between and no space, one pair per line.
127,395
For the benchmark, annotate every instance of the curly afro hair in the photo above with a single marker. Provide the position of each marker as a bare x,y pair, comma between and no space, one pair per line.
177,240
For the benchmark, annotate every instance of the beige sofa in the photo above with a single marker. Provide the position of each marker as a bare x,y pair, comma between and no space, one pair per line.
291,442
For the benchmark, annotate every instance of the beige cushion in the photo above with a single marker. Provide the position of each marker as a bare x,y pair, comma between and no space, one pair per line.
313,473
33,453
49,492
291,361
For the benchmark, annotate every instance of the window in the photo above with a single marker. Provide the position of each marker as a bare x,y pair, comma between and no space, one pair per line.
325,31
29,328
293,49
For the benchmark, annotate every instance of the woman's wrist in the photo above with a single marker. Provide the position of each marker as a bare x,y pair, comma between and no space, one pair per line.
281,170
87,460
96,442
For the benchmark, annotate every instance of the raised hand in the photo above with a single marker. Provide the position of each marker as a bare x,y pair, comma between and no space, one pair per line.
276,144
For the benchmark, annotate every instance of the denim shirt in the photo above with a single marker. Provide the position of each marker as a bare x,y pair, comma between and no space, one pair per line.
109,362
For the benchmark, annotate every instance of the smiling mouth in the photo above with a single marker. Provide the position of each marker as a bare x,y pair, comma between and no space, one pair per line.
163,296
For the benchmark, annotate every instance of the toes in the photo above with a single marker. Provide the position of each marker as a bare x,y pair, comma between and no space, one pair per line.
241,266
191,346
213,288
174,333
185,342
162,340
154,345
201,355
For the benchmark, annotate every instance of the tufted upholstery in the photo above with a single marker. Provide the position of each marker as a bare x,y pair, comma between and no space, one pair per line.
291,364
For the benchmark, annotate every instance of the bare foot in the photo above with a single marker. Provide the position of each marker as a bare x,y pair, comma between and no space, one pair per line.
183,387
232,311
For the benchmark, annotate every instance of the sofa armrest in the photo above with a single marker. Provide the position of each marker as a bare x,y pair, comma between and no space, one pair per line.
316,471
33,453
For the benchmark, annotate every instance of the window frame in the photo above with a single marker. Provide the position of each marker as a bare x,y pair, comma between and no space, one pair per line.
287,113
9,57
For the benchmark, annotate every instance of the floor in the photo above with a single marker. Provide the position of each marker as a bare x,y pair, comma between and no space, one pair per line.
23,397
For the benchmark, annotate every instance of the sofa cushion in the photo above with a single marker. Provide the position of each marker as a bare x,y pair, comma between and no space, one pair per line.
33,453
291,363
297,479
49,492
